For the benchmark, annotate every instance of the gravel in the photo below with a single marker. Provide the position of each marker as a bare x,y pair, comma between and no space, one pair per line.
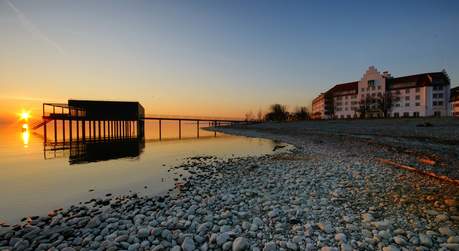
328,193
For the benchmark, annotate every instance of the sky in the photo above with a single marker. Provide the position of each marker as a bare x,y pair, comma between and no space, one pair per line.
213,58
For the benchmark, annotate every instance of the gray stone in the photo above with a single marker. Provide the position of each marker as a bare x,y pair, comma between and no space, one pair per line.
240,244
425,240
94,222
222,238
227,246
143,233
188,244
270,246
176,248
340,237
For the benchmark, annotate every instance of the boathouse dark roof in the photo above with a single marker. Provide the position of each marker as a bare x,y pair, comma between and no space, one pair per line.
109,110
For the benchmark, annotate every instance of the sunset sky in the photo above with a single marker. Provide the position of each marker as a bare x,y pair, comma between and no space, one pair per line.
220,58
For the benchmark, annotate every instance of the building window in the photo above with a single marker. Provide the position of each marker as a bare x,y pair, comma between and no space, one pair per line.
418,89
396,115
407,98
434,103
348,116
379,87
407,104
397,105
416,114
406,114
440,102
398,92
440,95
342,116
371,83
435,95
418,104
418,97
407,90
437,114
363,89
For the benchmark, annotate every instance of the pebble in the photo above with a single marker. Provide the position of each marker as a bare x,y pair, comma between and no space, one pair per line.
240,244
188,244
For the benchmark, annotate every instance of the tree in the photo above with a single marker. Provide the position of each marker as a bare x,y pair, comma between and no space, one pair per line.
301,113
260,115
385,102
249,116
379,105
277,112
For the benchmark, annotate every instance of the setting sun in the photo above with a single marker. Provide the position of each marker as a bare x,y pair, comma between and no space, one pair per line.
25,115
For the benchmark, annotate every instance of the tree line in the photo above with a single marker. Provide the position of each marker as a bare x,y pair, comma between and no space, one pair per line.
279,112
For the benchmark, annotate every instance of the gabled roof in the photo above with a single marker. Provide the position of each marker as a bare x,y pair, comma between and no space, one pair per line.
418,80
344,89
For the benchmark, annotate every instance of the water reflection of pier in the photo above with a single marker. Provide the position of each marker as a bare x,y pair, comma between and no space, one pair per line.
80,152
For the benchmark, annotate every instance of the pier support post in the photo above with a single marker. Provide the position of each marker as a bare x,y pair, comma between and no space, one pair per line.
44,131
197,127
89,130
94,129
159,124
180,129
83,130
98,123
63,130
70,129
55,131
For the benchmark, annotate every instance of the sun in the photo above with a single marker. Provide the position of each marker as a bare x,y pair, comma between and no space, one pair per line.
25,115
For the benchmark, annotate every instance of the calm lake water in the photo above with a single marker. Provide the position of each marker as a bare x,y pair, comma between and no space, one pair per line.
36,178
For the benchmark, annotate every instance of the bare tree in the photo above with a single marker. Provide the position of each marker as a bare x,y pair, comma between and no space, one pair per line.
301,113
277,112
249,116
385,103
378,105
260,115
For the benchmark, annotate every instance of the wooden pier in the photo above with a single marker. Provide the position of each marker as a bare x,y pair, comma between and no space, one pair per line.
88,120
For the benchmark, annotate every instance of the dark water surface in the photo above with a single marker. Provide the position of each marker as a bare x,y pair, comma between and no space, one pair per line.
36,177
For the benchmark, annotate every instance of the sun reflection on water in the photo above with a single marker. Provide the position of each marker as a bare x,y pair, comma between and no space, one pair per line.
25,135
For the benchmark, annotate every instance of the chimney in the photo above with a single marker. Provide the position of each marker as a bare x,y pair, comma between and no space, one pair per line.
386,74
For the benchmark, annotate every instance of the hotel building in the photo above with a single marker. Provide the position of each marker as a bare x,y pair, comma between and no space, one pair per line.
381,95
454,100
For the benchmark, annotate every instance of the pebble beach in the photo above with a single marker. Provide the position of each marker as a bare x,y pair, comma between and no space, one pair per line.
327,193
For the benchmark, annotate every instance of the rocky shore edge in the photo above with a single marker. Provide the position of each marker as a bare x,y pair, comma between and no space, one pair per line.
319,196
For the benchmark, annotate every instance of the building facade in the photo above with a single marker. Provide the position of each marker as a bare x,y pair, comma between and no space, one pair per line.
381,95
318,107
454,100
